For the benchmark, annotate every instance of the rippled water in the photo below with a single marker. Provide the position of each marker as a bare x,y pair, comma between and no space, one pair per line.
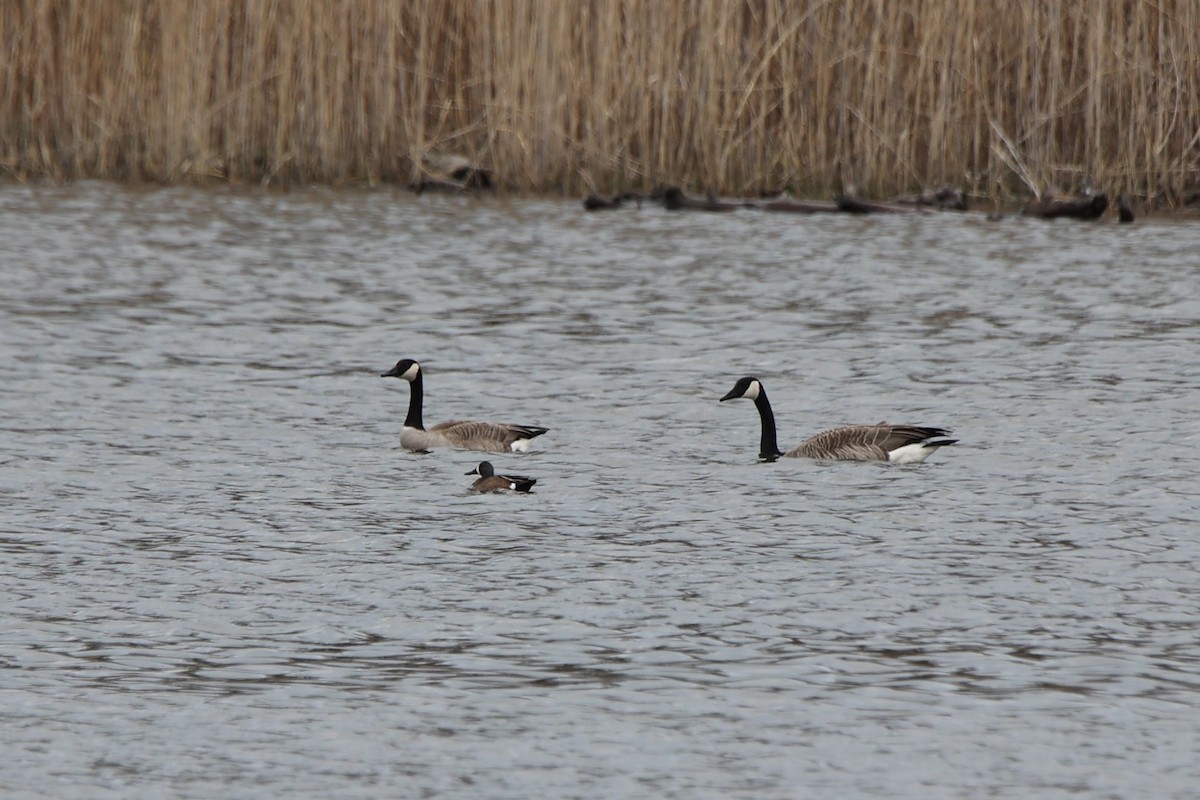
224,578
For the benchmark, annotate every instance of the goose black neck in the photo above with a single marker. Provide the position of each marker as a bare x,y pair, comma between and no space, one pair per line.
769,447
416,396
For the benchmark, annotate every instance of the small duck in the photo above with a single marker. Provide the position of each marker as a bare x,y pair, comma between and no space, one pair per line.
489,481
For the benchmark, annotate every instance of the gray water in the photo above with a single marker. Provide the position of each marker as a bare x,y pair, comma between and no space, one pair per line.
224,578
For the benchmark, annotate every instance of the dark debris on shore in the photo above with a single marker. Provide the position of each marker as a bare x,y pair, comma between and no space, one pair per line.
457,174
1083,205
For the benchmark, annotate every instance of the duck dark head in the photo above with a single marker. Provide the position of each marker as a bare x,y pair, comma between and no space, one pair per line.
484,470
405,368
748,387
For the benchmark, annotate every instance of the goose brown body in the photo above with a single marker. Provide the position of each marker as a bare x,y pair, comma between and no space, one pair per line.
491,437
881,442
864,442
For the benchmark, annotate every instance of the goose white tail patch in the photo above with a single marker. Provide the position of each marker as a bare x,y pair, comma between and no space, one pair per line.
520,446
910,453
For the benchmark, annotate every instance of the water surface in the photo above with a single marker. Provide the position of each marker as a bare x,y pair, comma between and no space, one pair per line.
224,578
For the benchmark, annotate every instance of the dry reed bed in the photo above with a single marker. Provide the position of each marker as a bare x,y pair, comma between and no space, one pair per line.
721,95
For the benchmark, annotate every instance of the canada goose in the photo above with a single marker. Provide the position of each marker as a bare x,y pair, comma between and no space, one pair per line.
489,481
902,444
494,437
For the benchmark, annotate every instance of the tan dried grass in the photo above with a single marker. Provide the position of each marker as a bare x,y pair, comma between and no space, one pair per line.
722,95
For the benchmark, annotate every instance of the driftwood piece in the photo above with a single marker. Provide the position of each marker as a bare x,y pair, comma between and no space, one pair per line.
674,199
944,198
596,202
439,185
857,205
795,206
1076,207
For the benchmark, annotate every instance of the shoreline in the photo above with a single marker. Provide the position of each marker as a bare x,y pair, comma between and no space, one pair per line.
779,203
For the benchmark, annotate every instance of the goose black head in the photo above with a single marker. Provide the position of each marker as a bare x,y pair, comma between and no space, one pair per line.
748,388
405,368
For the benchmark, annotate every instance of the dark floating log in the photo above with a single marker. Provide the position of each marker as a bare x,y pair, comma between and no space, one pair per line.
1077,207
1124,209
674,199
596,202
857,205
796,206
944,198
439,185
1086,205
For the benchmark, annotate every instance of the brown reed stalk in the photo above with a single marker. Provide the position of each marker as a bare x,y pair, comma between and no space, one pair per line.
718,95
